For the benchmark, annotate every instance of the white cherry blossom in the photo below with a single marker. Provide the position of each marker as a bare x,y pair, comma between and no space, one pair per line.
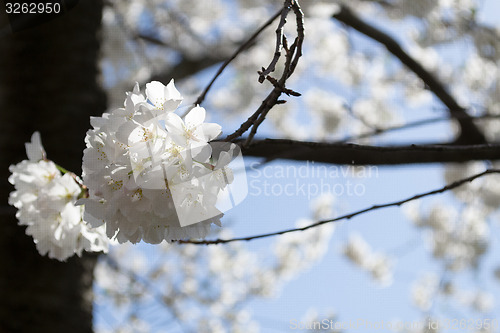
45,199
192,130
166,98
148,170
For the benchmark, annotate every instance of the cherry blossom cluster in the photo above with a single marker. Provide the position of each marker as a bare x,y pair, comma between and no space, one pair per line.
430,287
45,199
459,240
151,174
359,252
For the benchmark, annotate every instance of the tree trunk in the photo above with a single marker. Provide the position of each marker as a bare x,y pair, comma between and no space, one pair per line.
48,82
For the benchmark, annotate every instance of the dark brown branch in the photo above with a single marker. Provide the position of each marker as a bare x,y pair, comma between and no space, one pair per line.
352,154
347,216
243,47
470,134
150,39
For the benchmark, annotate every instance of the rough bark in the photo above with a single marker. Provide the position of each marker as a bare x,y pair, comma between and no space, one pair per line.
48,82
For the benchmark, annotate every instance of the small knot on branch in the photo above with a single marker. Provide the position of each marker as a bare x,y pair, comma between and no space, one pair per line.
277,85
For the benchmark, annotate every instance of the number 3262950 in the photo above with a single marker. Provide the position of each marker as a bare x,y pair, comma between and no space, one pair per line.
32,8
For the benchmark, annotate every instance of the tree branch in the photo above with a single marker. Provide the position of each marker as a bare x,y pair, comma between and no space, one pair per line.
470,134
347,216
352,154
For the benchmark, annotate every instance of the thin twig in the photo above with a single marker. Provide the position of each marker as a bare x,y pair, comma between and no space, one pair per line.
347,216
256,124
360,118
179,21
266,104
243,47
417,123
279,42
299,18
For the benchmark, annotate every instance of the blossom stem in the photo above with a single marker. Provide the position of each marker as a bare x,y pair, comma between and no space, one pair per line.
63,170
85,192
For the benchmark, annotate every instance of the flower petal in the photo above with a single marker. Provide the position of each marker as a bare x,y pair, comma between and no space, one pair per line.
155,92
195,117
172,97
211,131
34,149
